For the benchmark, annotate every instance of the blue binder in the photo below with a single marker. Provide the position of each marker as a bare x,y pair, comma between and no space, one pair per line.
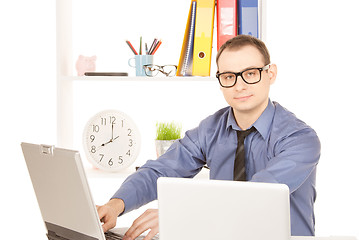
248,17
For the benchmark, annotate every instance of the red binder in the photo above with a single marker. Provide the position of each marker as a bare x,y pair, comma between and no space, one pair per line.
226,21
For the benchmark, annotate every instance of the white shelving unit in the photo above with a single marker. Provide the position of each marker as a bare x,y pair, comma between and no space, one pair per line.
64,69
66,78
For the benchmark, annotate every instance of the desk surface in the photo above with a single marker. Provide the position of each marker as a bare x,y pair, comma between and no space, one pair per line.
122,231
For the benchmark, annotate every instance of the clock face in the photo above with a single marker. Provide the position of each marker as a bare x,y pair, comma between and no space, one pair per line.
111,140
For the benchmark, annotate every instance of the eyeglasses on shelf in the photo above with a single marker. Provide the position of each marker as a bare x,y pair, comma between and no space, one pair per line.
152,70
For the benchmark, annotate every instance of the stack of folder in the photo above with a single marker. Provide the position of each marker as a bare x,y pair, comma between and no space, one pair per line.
233,17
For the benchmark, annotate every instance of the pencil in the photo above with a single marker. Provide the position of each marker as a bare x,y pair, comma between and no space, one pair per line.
141,45
131,47
152,46
157,46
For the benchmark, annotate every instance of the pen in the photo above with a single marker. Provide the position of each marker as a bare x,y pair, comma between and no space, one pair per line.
131,47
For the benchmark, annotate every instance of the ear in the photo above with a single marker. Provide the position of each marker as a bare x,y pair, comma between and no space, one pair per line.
272,71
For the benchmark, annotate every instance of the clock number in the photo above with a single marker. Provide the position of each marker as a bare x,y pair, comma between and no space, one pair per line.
93,149
120,160
92,138
112,119
122,123
102,155
129,132
103,121
110,162
95,128
131,143
128,153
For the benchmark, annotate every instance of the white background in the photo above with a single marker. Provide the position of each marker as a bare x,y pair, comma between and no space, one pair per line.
314,44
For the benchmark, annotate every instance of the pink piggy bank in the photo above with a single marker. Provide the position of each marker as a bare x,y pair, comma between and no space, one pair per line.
85,64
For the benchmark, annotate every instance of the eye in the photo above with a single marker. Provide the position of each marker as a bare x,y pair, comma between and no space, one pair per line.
228,76
251,73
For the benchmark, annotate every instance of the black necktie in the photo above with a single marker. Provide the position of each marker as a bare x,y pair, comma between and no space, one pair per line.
239,172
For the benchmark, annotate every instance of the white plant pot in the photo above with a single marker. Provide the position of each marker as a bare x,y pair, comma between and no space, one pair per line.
162,146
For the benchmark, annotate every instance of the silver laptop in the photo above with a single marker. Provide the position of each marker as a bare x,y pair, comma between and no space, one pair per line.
63,194
213,209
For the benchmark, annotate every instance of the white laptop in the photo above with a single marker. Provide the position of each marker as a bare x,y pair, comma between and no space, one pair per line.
63,194
214,209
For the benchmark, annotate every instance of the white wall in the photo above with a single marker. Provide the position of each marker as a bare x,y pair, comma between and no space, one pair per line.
314,44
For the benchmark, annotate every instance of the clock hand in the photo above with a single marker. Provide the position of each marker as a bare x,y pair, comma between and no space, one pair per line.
103,144
112,132
111,140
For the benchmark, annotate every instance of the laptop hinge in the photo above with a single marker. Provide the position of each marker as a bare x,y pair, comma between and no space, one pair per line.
52,236
56,232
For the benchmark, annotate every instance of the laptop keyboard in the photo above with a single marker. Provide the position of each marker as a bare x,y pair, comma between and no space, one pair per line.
113,236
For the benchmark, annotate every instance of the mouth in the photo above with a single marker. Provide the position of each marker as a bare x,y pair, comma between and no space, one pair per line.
243,98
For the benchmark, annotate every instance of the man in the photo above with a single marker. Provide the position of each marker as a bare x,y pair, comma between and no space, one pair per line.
279,149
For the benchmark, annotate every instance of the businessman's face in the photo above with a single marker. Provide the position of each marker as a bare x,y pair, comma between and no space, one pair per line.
247,100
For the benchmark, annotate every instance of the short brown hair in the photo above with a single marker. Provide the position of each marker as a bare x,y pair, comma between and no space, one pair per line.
240,41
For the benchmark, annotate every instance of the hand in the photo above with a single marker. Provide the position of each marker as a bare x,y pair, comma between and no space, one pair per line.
110,141
109,212
148,220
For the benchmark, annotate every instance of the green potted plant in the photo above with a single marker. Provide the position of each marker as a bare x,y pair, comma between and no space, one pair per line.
166,134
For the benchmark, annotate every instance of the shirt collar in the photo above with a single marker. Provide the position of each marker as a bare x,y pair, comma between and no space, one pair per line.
262,124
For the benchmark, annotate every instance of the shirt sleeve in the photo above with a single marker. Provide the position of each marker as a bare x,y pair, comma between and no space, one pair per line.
295,157
183,159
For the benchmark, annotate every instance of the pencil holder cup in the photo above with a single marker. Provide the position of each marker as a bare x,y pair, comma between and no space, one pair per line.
138,61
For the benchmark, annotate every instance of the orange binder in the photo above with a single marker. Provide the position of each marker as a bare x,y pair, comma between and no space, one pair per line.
226,21
203,37
186,57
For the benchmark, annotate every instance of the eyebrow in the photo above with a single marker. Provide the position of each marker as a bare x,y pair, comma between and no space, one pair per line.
247,68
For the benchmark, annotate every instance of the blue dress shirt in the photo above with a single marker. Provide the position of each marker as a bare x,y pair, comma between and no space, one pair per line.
283,149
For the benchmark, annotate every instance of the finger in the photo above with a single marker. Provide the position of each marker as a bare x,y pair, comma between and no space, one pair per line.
151,234
148,220
108,225
105,218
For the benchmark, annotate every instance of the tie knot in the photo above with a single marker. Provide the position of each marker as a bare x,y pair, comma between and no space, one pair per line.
244,134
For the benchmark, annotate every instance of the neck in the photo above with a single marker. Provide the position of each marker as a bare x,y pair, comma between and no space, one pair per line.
245,119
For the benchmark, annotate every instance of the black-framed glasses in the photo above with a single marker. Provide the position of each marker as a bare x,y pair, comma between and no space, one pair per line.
152,70
249,76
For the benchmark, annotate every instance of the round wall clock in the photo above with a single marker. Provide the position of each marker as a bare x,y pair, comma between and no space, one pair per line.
111,140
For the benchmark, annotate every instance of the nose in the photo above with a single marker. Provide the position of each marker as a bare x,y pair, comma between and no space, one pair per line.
240,84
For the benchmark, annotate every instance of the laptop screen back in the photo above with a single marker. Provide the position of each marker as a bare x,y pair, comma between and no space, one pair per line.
213,209
62,191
